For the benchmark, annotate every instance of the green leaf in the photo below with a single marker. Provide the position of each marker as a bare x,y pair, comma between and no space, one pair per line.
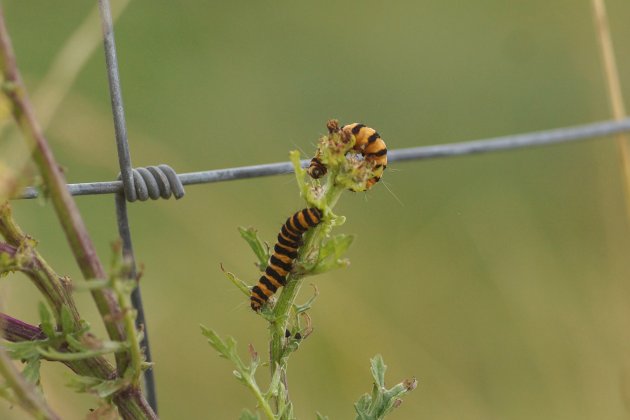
227,349
84,353
331,252
240,284
362,406
92,345
101,387
248,415
321,416
381,401
260,249
31,371
305,191
46,325
67,323
378,369
24,350
275,381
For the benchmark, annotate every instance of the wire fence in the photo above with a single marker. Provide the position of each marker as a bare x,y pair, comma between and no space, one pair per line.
163,182
496,144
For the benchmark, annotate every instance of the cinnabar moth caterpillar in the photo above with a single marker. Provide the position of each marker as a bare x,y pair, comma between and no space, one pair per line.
369,143
284,253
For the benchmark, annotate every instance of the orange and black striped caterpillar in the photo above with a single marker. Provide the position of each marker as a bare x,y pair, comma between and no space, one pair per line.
284,253
368,142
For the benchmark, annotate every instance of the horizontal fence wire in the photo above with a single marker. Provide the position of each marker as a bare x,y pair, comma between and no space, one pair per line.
495,144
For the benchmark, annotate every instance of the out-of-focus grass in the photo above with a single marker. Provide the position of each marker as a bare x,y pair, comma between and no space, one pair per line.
499,281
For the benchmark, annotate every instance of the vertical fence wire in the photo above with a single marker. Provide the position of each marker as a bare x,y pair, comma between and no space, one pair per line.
129,191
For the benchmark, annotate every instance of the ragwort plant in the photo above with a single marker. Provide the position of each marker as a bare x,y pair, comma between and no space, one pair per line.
320,252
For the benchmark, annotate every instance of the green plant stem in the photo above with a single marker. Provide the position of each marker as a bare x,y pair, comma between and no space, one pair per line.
283,306
262,401
132,335
27,395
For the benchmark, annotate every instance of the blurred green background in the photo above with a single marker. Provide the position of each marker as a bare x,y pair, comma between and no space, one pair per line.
499,281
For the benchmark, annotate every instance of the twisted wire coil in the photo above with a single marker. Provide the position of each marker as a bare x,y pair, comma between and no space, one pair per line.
153,182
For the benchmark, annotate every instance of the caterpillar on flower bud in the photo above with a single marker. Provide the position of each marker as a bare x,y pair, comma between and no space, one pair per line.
367,142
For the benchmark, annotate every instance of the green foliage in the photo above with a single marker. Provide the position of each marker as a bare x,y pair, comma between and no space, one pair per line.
330,254
46,321
260,249
31,370
240,284
245,373
76,345
382,400
69,341
102,388
320,252
248,415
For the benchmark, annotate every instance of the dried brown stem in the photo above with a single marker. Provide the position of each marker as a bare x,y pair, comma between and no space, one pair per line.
54,181
613,85
130,401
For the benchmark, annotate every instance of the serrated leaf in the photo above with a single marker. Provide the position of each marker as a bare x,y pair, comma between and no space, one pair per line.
378,369
87,353
45,317
240,284
24,350
94,346
226,349
101,387
67,323
31,371
382,400
248,415
363,404
331,253
216,342
260,250
275,379
285,409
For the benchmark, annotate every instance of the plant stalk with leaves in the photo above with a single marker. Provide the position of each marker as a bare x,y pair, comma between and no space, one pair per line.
320,252
63,335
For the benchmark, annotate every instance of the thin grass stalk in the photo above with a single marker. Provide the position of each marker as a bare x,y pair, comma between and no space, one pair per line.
613,88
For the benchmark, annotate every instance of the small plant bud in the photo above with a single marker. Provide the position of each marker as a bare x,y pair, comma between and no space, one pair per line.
253,353
332,126
410,384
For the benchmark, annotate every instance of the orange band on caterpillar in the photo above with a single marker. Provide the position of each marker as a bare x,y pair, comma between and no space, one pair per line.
368,142
284,253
